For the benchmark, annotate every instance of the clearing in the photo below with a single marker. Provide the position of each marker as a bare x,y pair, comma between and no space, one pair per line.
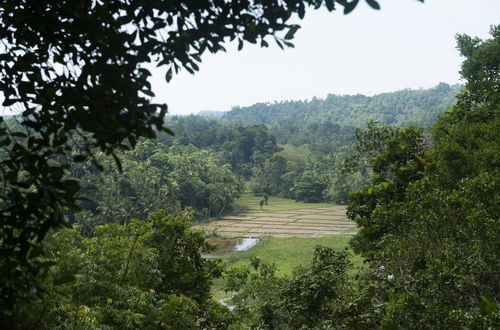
281,218
289,252
288,233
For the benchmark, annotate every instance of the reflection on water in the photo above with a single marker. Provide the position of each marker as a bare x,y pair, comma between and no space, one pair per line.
245,244
228,245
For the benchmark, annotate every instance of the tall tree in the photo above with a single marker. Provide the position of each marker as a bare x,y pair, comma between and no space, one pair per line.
430,221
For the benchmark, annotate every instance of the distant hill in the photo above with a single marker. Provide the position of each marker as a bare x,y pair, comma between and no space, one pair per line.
405,107
211,114
208,114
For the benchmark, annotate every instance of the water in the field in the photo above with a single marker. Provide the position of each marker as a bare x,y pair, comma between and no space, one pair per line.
228,245
246,244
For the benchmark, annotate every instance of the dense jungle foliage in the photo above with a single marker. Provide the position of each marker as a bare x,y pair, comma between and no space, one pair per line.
203,167
305,158
155,177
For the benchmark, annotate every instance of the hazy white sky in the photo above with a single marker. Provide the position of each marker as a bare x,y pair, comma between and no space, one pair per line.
406,44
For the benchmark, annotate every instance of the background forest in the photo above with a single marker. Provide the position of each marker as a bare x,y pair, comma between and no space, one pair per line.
204,167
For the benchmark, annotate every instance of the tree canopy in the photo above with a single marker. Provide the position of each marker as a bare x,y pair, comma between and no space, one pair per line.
405,107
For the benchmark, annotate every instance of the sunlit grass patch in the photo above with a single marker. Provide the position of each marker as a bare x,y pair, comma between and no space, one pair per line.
289,252
250,203
286,252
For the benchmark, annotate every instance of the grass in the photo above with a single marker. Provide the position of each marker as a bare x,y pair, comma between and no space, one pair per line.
286,252
289,252
250,203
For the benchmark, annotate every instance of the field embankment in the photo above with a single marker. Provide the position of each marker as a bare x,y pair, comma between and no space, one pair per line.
281,218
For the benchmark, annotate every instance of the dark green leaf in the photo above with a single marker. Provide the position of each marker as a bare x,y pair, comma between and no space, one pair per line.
487,306
168,75
302,10
148,92
79,158
291,31
374,4
349,6
8,102
168,131
64,279
117,162
330,5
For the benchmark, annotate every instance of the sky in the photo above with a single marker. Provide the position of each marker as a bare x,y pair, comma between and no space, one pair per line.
406,44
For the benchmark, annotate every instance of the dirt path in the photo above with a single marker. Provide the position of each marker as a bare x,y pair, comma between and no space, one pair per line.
307,222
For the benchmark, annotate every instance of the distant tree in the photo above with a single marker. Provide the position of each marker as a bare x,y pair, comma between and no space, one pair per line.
309,187
267,177
262,201
265,197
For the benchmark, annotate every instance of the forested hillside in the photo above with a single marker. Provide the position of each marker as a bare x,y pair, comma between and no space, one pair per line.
301,149
405,107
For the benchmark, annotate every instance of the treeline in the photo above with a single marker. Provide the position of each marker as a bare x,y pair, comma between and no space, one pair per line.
242,146
405,107
306,172
316,139
201,170
154,177
312,164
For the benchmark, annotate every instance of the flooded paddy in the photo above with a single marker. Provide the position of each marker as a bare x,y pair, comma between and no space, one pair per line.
309,222
228,245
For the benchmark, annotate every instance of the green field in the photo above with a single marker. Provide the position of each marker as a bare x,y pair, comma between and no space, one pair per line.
250,203
286,253
289,252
